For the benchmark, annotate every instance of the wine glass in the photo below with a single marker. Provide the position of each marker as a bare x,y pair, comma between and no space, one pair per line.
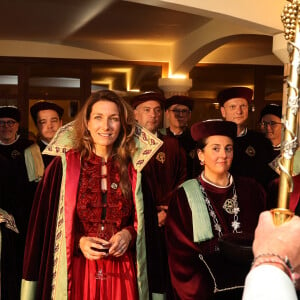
105,232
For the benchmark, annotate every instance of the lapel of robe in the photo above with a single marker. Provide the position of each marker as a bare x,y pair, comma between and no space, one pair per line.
64,239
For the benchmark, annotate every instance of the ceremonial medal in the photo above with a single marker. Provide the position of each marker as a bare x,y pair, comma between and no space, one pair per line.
114,185
250,151
229,206
15,154
161,157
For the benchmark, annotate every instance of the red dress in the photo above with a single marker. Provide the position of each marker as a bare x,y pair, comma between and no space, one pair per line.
54,268
93,209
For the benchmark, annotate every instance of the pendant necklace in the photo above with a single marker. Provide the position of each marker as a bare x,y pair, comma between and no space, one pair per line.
231,206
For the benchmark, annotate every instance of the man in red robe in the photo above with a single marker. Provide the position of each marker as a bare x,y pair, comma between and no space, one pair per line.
162,174
178,113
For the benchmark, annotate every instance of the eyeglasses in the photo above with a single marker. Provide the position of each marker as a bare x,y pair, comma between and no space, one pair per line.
271,123
184,112
9,123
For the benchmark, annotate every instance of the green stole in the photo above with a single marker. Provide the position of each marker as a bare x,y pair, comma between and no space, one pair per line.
202,230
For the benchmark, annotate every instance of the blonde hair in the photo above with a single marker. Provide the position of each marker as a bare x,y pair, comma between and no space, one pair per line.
124,146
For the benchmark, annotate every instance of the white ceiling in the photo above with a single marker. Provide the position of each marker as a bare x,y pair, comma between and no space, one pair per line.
182,35
102,26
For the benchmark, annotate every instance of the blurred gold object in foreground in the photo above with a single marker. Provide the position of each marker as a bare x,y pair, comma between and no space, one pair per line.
281,215
289,144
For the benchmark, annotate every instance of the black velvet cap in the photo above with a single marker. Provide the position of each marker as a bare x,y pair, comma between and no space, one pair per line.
148,96
45,105
183,100
10,111
204,129
235,92
271,109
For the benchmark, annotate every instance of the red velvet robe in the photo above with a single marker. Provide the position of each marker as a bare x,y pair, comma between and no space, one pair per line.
163,173
190,147
41,263
190,278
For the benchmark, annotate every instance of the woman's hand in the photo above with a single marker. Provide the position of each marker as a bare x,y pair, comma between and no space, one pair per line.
93,248
120,242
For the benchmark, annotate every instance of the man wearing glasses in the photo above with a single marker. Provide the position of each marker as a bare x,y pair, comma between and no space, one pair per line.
9,124
252,151
12,145
178,114
12,148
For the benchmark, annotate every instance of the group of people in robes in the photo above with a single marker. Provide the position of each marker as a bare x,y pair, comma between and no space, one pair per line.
113,220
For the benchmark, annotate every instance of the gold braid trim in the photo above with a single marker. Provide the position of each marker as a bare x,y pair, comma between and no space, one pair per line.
60,272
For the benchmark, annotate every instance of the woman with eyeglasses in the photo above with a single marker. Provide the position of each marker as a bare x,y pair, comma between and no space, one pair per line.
270,125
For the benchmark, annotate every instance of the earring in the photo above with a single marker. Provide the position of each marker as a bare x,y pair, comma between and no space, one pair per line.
202,162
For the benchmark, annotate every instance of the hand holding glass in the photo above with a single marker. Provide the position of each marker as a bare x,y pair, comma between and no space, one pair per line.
106,231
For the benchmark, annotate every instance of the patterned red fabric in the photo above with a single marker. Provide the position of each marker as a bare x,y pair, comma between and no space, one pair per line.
119,282
90,206
92,211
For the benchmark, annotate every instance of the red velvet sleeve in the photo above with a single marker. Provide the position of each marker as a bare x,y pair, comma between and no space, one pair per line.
184,262
175,169
38,257
77,250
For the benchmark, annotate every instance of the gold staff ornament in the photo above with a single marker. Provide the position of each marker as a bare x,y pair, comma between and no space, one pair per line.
290,18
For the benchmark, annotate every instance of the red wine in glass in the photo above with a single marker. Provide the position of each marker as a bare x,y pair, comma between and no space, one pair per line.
105,248
105,232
